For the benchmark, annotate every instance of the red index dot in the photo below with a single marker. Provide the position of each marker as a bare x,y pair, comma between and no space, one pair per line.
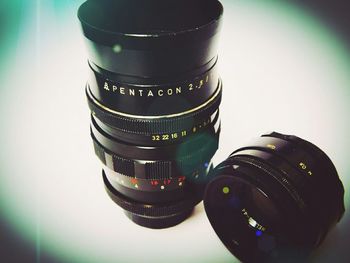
167,182
134,181
154,183
182,178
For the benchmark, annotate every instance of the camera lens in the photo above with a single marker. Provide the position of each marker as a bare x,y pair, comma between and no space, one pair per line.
275,200
154,94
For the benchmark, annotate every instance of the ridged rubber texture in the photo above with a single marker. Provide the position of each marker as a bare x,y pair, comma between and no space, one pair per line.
154,169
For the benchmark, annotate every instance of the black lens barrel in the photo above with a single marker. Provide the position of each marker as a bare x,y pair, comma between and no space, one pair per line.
274,200
154,93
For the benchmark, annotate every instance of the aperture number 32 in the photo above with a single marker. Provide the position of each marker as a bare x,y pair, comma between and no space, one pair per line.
164,137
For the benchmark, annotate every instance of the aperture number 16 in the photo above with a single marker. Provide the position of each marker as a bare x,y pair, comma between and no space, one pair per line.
164,137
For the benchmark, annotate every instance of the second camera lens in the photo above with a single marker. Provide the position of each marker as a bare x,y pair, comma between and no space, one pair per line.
274,200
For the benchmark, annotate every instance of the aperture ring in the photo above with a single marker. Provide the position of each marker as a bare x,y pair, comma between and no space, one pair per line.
145,185
158,169
149,209
155,125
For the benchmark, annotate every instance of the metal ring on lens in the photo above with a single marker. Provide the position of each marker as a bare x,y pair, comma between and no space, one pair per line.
155,124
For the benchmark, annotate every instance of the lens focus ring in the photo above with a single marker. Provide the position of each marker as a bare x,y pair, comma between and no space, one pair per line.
158,169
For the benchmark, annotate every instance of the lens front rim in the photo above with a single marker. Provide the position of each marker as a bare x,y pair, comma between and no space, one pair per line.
100,34
141,54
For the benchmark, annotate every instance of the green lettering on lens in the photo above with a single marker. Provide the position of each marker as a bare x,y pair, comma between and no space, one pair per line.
226,190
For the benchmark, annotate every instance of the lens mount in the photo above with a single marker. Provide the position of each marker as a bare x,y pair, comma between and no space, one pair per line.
152,215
